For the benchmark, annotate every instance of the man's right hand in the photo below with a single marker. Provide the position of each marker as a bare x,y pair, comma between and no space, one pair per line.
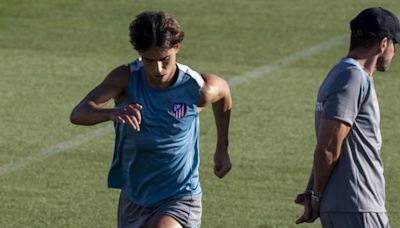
129,114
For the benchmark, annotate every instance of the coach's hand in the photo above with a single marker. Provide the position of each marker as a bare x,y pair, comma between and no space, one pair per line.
129,114
315,210
222,162
311,208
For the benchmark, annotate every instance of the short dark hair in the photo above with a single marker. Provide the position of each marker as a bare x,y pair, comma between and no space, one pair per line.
155,28
362,42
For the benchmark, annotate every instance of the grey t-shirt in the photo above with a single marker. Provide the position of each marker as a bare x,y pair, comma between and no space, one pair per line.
356,183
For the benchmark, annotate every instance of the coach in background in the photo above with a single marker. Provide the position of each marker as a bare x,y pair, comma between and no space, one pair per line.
156,118
346,186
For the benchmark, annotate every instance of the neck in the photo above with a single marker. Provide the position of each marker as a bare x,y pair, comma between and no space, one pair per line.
170,81
366,60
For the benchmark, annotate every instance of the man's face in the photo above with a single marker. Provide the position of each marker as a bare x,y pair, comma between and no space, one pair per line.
385,59
159,65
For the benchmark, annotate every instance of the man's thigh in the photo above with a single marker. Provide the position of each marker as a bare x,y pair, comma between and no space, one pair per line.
185,210
164,221
359,220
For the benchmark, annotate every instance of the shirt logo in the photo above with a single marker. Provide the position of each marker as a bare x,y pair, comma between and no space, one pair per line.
319,107
178,110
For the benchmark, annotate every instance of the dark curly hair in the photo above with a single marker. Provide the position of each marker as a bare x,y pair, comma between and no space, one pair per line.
155,28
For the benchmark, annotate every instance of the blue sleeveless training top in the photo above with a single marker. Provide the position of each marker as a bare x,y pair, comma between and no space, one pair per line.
160,161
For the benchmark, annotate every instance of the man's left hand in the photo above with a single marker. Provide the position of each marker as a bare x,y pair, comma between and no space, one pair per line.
222,163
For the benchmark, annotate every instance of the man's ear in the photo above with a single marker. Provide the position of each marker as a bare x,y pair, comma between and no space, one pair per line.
177,47
383,44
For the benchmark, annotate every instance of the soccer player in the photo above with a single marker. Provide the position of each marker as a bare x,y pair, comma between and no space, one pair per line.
156,120
347,187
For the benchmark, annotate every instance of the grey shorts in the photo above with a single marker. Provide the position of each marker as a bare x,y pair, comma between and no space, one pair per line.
186,210
359,220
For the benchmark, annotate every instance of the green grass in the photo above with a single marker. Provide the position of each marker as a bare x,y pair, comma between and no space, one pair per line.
54,52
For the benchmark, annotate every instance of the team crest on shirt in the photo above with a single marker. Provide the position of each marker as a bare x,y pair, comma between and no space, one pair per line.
178,110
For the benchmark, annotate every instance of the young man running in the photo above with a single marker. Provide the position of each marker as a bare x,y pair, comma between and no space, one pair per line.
156,119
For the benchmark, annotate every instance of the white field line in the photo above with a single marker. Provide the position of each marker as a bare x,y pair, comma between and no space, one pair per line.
234,81
266,69
53,150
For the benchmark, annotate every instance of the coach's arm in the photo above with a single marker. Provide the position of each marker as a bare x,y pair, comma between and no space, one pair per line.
331,135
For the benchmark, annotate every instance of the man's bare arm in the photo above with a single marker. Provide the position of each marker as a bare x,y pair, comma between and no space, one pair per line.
91,109
216,92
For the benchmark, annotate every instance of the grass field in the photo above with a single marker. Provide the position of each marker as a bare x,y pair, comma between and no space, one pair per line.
53,174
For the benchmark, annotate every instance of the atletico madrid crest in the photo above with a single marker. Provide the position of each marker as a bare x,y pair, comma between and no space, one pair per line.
178,110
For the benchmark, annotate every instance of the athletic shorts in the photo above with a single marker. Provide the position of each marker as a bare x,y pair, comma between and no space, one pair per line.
186,210
359,220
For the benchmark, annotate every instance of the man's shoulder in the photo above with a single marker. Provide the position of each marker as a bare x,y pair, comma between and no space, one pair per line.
135,65
192,74
119,76
345,68
349,67
344,73
342,77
